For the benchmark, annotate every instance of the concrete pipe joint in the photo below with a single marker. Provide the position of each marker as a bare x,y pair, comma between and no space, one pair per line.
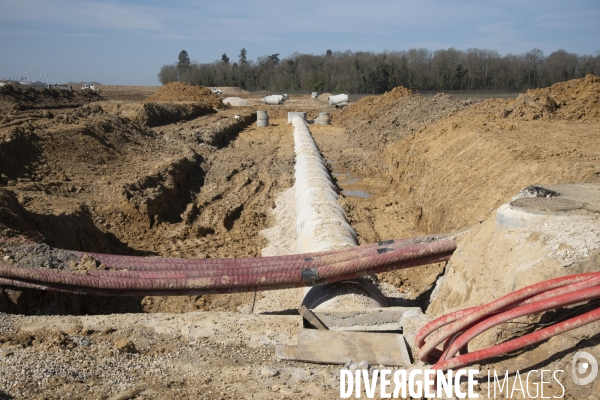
310,171
326,236
315,182
310,165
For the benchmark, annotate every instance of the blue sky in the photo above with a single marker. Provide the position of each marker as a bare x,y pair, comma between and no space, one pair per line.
126,42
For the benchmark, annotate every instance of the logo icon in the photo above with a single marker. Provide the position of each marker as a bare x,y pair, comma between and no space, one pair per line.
588,367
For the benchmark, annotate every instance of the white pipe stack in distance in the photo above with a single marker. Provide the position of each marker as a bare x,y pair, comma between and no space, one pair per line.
273,99
338,99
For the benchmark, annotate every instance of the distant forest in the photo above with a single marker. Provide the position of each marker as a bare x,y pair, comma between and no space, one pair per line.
367,72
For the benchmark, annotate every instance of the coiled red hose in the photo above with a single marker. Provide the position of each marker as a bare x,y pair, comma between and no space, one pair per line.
458,328
153,276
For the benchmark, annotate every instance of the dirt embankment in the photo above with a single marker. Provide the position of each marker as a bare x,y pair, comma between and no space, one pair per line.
179,91
375,122
127,93
453,172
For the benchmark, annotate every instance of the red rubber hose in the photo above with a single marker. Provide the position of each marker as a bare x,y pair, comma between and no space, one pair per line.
458,328
264,273
519,343
146,263
457,321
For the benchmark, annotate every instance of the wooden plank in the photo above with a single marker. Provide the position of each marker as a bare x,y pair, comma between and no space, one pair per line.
312,318
339,347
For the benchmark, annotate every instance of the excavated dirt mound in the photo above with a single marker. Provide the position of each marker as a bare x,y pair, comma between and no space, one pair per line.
178,91
156,114
27,98
324,97
371,106
127,93
575,100
388,118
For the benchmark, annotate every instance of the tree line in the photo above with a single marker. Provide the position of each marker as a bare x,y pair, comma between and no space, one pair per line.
368,72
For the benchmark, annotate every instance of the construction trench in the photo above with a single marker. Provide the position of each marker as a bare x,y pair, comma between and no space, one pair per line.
514,276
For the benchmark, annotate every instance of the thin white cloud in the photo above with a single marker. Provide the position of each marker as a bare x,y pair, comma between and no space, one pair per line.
569,19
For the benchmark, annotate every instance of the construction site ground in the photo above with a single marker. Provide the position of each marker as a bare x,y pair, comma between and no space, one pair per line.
149,171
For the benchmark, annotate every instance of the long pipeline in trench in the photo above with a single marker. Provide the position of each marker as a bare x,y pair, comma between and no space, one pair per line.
321,223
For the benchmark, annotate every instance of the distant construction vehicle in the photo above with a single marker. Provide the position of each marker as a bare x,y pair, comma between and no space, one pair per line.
217,91
89,86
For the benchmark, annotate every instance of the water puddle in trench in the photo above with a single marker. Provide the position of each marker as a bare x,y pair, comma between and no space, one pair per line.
356,193
346,183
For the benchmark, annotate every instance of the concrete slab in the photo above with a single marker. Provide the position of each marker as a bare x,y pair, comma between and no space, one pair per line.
539,204
365,319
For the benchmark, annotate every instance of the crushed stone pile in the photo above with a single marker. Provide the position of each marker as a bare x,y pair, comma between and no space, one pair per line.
574,100
237,102
179,91
371,106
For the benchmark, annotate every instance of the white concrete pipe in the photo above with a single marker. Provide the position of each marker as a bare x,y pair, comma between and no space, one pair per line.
293,114
273,99
323,119
320,221
337,99
262,118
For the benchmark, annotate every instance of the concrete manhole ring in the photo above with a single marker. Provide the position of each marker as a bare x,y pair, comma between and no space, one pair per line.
547,204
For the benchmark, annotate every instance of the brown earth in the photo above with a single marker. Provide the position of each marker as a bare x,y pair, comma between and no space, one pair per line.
179,91
104,178
127,93
28,98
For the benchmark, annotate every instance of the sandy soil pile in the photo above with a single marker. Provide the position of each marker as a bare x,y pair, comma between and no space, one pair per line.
576,100
179,91
372,106
394,117
324,97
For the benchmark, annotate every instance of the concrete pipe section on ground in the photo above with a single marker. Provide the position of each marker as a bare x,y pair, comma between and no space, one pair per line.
321,225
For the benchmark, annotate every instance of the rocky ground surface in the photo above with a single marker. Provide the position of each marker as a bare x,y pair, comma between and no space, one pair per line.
122,173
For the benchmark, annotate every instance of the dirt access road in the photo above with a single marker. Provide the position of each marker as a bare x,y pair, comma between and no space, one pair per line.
173,178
